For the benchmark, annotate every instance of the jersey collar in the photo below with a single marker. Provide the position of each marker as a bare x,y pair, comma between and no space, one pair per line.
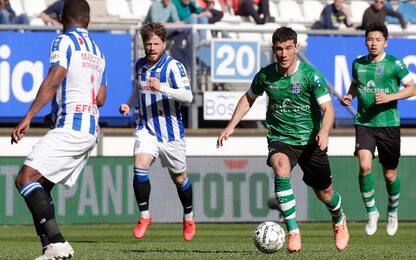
159,63
76,29
382,58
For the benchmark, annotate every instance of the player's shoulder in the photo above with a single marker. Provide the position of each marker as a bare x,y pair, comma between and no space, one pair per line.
363,60
269,69
392,59
308,70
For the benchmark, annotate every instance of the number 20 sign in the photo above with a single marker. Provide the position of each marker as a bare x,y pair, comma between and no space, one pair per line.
234,60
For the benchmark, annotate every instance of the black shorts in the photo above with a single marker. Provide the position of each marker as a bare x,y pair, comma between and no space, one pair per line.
386,139
312,160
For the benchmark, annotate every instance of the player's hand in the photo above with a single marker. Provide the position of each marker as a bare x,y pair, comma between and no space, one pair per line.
322,140
346,100
20,130
155,84
382,98
124,109
224,136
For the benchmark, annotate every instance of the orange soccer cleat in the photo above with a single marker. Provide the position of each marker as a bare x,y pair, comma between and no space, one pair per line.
141,227
189,229
341,236
294,243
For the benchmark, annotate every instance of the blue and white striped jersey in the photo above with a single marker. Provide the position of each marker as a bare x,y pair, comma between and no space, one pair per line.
159,113
74,105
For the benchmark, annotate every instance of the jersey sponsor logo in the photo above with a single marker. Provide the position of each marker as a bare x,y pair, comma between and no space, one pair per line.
379,69
55,57
86,108
295,88
287,106
372,89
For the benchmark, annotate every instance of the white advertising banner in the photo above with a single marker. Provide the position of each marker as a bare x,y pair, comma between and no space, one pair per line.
220,105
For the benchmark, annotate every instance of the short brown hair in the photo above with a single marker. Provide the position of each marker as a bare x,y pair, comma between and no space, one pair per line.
150,29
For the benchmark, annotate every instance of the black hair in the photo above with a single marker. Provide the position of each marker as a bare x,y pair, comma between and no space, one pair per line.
76,10
284,34
377,27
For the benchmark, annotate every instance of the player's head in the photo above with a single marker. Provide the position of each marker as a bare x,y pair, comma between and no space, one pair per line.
285,47
154,41
378,4
76,13
338,4
376,35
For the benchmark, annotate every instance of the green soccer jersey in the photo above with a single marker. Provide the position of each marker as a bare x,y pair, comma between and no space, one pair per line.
383,76
293,112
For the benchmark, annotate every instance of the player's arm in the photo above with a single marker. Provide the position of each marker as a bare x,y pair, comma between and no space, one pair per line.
179,87
243,106
328,119
409,90
45,93
125,108
352,93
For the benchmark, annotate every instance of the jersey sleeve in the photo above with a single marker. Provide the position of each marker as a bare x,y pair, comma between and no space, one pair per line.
257,87
354,71
319,88
60,54
402,72
178,77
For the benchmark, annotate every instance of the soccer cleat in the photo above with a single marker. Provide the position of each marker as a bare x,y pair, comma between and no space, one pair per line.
189,229
392,224
294,243
371,226
56,251
341,235
141,227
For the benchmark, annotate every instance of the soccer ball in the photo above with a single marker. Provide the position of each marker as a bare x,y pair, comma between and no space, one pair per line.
269,237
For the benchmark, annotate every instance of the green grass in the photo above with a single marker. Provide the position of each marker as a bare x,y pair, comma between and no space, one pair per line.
213,241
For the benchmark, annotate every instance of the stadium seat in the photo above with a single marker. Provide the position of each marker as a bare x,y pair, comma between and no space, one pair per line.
274,11
312,10
17,6
394,28
34,8
391,19
357,10
140,8
408,10
290,11
119,8
249,35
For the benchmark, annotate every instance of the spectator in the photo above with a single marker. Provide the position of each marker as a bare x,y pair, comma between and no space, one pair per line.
52,14
190,13
8,15
213,14
163,12
377,12
257,9
335,16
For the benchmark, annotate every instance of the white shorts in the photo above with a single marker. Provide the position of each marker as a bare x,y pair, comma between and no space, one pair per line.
172,154
61,155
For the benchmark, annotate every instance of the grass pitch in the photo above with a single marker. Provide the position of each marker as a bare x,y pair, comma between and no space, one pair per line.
212,241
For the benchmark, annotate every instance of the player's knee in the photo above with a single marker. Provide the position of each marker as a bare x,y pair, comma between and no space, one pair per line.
26,175
365,168
178,179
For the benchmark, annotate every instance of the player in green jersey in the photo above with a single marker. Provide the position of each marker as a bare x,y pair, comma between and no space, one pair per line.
376,80
299,118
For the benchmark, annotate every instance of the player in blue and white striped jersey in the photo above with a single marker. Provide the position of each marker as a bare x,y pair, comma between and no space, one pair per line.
162,84
76,84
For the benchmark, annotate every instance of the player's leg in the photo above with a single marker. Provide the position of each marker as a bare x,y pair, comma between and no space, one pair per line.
184,189
29,183
388,144
282,165
317,174
145,152
173,157
142,188
365,147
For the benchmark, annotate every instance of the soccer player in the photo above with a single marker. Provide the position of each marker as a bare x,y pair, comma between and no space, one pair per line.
376,80
76,84
298,94
162,84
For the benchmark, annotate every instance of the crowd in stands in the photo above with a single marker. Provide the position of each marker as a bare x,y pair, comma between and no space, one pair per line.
316,14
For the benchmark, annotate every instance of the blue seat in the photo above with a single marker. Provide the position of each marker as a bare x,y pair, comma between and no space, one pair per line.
391,19
408,10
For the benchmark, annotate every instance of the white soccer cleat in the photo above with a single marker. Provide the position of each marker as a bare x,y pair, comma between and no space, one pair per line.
392,224
371,226
57,251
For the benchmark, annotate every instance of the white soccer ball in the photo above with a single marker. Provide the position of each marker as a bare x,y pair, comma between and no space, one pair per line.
269,237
